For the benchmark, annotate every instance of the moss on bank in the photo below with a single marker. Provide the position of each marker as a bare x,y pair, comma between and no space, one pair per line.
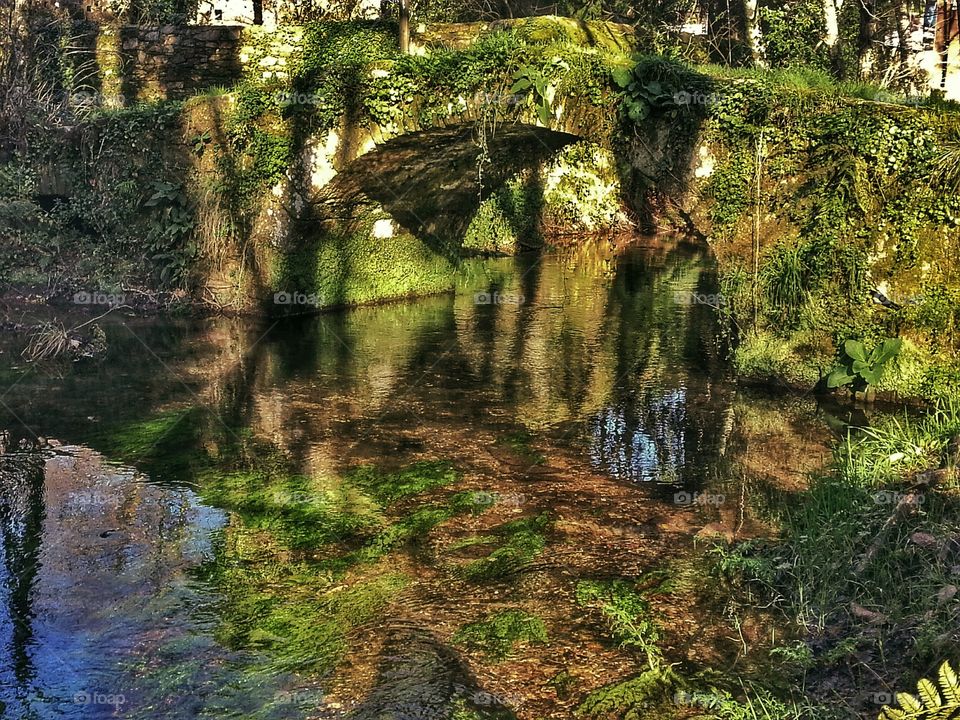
576,193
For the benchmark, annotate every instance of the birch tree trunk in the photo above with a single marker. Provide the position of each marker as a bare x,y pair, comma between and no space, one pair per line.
754,34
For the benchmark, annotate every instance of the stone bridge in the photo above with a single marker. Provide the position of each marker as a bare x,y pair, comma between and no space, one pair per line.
369,212
374,210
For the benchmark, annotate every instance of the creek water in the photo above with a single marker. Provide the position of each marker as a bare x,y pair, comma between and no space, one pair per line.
186,532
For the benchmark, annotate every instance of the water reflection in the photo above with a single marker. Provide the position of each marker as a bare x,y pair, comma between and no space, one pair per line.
141,586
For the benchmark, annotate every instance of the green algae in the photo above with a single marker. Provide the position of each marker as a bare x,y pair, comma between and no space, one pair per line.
645,696
626,611
300,511
154,436
388,487
522,444
407,530
166,445
521,541
471,541
294,613
498,634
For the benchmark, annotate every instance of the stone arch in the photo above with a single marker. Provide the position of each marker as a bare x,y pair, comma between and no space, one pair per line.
388,222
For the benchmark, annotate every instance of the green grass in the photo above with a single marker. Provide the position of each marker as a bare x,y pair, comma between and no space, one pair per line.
895,447
753,703
880,592
498,634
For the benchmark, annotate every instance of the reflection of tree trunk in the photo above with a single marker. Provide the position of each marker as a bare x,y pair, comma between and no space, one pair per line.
943,36
22,512
868,30
903,31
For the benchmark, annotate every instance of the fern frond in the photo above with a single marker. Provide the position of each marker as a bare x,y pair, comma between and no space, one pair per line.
949,684
931,702
928,694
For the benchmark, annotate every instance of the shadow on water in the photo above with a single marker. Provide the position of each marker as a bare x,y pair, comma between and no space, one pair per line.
246,549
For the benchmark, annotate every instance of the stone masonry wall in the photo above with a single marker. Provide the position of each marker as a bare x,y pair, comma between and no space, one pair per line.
177,61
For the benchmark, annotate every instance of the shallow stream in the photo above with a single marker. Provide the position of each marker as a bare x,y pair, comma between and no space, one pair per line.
386,512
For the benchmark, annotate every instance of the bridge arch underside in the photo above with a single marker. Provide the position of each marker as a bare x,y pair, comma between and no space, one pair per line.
392,222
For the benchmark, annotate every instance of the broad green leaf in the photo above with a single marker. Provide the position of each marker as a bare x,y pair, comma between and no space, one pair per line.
839,377
855,350
889,349
622,77
871,375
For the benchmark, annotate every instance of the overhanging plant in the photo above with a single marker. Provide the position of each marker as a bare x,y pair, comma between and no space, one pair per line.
860,368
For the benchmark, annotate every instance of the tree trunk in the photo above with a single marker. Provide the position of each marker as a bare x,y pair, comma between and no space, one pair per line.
866,54
404,26
754,35
903,32
831,26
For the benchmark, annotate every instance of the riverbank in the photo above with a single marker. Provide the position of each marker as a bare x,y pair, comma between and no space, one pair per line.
827,206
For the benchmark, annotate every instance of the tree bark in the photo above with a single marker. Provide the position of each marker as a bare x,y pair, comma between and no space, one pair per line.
754,34
404,26
866,54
